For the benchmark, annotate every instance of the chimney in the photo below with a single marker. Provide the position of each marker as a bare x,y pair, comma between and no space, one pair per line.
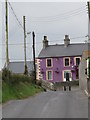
66,41
45,42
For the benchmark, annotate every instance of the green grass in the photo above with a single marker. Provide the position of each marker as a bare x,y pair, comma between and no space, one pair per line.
17,86
18,91
0,96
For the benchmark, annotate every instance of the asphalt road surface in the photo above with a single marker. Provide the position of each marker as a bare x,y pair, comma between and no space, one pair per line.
59,104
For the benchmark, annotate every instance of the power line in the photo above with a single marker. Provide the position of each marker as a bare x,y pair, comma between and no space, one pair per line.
63,39
15,15
51,18
48,41
16,44
63,14
59,17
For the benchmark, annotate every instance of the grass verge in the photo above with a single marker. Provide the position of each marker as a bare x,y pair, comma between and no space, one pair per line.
19,91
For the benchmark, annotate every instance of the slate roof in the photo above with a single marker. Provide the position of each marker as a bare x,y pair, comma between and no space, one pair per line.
18,67
61,50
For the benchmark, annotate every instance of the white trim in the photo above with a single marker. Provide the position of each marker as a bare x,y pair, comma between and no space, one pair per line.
69,72
69,61
47,74
75,60
51,63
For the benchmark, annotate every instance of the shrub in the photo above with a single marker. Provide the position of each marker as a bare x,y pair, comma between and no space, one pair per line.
14,79
17,78
6,74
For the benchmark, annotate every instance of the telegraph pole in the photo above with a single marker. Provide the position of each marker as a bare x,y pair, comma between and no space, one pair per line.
7,59
34,54
88,3
24,45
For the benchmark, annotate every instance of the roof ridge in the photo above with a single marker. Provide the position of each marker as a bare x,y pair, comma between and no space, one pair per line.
59,50
69,44
18,61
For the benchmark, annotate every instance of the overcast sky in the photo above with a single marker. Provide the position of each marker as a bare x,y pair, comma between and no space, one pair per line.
51,19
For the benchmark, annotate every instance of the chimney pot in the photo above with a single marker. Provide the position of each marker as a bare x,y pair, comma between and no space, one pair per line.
66,40
45,37
45,42
66,36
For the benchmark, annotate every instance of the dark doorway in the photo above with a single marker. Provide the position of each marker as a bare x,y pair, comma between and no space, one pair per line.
67,79
67,76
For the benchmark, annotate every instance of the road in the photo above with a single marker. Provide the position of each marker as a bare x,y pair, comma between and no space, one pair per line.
59,104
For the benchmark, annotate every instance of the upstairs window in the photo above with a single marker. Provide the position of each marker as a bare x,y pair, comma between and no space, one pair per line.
49,62
66,62
77,61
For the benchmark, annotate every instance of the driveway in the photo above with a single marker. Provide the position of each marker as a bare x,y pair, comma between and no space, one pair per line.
59,104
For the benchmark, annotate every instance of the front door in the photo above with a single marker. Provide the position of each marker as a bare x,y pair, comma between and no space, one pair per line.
67,76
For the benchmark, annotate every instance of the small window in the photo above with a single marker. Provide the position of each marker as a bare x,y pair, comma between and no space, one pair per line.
49,75
67,62
49,63
77,61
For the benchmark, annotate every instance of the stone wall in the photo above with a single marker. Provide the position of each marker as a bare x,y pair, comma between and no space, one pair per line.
83,76
84,82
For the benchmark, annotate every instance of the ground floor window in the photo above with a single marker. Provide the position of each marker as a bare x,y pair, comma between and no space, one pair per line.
49,75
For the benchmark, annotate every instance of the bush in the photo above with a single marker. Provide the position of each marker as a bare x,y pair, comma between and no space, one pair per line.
6,74
17,78
14,79
17,86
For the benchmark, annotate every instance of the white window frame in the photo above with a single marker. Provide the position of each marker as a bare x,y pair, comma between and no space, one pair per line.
47,74
69,61
51,63
69,72
75,59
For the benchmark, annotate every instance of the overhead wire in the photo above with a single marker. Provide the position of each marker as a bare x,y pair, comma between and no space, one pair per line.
48,19
60,17
15,15
48,41
51,18
62,39
65,13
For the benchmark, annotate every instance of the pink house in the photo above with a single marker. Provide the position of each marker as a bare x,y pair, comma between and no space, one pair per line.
59,63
